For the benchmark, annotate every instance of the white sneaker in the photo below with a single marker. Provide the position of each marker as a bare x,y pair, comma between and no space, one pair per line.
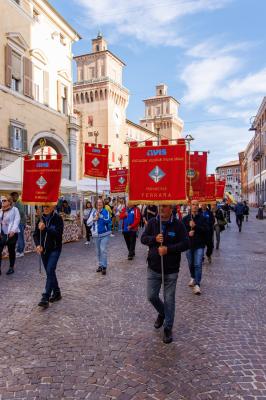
19,255
87,242
112,235
191,283
196,290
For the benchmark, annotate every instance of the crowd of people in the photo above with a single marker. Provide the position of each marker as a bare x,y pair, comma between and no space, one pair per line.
167,231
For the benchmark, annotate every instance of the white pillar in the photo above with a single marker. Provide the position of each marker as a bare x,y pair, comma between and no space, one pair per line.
73,140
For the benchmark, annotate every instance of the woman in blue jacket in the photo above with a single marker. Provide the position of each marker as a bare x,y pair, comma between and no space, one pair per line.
100,224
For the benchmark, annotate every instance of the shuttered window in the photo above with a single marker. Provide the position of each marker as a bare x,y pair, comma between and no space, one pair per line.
62,98
28,77
18,138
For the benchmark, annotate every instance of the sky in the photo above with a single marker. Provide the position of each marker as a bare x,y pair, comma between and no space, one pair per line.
210,53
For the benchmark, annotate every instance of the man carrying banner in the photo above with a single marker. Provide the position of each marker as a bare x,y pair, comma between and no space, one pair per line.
48,240
197,229
169,244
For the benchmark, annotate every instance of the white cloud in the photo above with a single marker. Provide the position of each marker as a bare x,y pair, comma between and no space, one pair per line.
204,77
150,22
222,140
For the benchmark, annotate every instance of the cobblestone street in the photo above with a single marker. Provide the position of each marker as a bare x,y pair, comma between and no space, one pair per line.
99,343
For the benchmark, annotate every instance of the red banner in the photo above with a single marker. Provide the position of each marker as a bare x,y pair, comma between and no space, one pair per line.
219,189
96,161
209,196
196,174
118,180
157,174
41,180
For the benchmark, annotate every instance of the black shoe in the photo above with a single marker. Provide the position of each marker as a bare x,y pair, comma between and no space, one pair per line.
10,271
159,322
103,271
167,336
99,269
55,297
130,257
44,303
0,272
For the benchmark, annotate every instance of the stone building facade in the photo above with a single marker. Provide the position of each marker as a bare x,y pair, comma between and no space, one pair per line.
36,82
231,172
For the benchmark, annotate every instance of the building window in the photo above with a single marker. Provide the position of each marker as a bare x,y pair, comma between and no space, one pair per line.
16,72
158,110
36,15
97,47
36,92
62,39
64,100
15,83
17,138
117,136
92,72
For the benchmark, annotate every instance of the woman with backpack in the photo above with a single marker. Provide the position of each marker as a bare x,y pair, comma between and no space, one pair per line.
86,214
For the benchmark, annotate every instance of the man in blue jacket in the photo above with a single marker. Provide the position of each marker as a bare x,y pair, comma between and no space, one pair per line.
168,243
100,223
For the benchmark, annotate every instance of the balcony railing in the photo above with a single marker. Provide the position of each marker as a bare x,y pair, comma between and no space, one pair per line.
257,154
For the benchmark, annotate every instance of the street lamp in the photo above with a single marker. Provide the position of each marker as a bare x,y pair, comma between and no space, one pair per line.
254,128
188,139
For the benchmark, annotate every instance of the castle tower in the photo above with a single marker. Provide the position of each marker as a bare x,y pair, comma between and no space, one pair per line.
101,100
162,111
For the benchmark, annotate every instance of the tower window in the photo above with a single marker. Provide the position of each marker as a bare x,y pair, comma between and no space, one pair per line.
97,48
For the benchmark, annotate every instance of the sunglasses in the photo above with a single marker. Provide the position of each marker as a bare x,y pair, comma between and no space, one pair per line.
4,201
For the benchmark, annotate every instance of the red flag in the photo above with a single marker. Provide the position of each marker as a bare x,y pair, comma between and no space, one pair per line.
209,196
219,189
118,180
196,174
96,161
157,174
41,180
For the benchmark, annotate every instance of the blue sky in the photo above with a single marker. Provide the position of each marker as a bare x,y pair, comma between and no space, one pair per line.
210,53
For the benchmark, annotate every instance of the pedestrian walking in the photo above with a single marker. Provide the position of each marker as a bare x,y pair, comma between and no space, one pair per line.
168,243
48,236
100,224
208,215
197,229
131,220
239,211
219,225
22,225
86,214
9,222
226,209
246,210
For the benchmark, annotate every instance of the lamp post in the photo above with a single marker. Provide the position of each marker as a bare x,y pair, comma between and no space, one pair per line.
258,129
188,139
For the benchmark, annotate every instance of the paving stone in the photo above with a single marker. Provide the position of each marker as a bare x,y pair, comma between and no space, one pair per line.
98,343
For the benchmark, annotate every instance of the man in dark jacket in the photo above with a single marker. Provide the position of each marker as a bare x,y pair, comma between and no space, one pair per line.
208,215
197,229
167,244
239,211
48,240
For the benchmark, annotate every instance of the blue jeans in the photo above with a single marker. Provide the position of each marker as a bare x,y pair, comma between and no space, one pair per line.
101,244
194,257
21,240
167,308
50,262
